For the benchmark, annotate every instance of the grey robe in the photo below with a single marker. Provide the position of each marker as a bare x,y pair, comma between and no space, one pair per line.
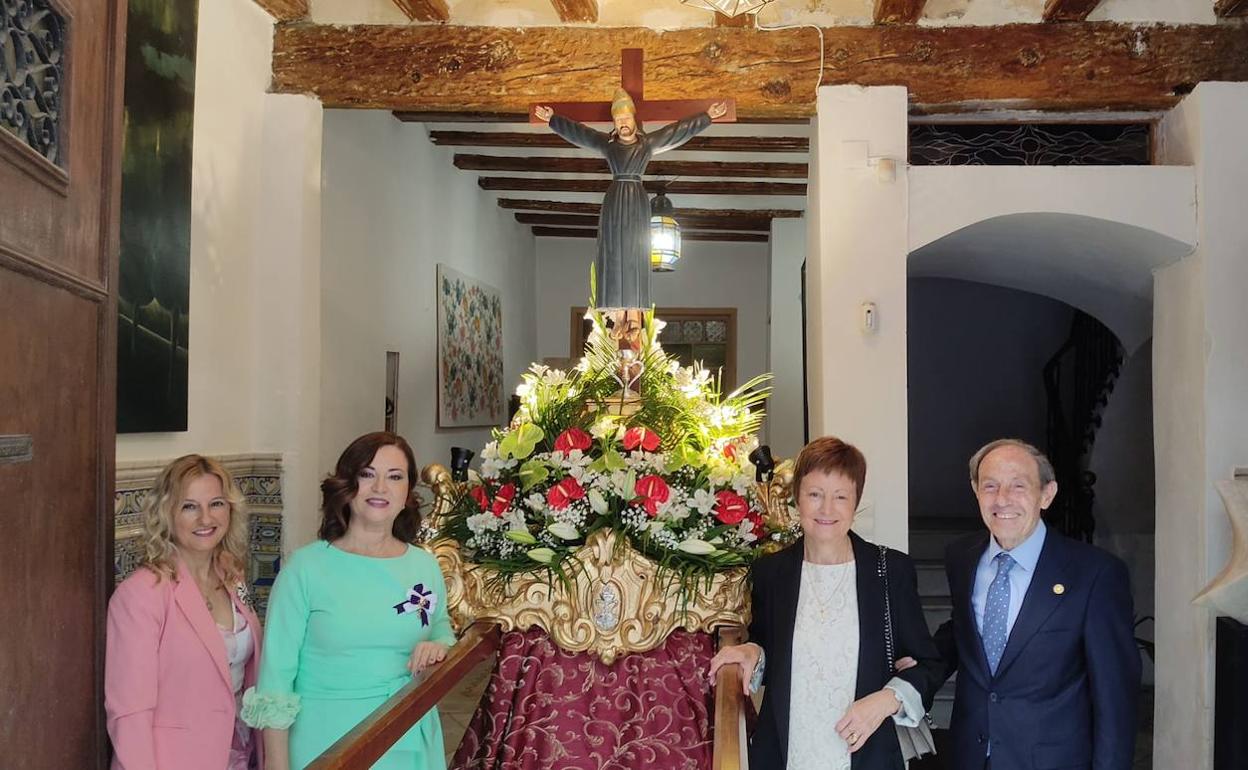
623,261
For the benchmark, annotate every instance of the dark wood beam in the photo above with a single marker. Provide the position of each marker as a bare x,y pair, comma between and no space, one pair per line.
452,69
741,20
285,10
1227,8
740,224
572,11
677,187
794,144
424,10
898,11
582,232
1068,10
581,207
567,165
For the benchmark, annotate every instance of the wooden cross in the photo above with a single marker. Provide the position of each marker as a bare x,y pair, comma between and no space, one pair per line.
632,80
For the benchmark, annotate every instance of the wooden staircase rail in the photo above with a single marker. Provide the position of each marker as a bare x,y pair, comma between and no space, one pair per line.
373,737
729,707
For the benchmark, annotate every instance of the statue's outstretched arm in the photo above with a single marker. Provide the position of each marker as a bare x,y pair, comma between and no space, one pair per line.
673,135
578,133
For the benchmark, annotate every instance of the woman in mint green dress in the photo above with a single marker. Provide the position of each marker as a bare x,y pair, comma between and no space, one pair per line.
353,617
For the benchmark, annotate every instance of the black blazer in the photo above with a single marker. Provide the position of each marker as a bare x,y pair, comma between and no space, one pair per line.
775,584
1064,692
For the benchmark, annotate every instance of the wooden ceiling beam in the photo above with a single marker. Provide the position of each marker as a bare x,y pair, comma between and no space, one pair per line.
898,11
1228,8
571,165
582,232
741,20
285,10
795,144
738,224
425,10
678,187
581,207
1068,10
457,69
576,11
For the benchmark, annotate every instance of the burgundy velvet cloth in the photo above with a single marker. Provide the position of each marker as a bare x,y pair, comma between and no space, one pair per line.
546,708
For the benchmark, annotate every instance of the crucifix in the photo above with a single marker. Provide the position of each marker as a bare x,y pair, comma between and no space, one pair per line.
632,80
623,259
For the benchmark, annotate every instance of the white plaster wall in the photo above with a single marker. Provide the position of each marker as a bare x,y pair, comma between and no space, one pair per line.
709,275
394,207
858,255
785,420
1200,371
255,206
945,199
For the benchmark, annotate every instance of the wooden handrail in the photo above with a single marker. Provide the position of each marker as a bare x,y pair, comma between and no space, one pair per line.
729,707
373,737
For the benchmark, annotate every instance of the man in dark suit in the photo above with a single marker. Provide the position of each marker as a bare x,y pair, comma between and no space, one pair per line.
1040,634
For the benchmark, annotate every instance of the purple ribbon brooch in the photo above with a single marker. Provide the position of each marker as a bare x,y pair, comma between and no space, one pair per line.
418,600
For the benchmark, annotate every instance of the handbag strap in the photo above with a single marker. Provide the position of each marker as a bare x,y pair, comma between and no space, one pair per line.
891,660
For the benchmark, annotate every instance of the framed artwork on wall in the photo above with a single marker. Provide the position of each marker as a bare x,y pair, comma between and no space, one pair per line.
470,352
153,304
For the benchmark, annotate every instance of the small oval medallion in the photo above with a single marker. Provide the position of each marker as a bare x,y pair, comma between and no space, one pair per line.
606,611
1059,589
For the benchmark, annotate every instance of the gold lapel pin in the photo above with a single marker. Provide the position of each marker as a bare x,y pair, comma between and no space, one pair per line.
1059,589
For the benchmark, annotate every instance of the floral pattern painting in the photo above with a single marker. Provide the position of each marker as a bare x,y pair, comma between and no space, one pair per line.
470,351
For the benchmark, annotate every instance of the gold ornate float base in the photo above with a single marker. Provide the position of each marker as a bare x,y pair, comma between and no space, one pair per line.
617,601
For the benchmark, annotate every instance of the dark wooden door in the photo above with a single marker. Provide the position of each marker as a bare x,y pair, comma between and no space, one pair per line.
60,150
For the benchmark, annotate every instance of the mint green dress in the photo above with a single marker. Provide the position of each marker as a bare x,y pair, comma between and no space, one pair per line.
339,631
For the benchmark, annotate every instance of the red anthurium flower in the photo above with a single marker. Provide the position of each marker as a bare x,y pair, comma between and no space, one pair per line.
730,452
652,491
730,508
760,527
559,495
479,494
638,436
573,438
502,499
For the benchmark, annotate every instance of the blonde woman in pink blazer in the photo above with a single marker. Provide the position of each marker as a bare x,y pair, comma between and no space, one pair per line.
182,642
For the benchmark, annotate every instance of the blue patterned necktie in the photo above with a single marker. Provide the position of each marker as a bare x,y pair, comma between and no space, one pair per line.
997,611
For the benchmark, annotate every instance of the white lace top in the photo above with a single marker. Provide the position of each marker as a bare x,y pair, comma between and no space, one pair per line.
825,666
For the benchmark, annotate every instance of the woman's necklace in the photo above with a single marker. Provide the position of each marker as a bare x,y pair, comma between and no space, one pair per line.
209,593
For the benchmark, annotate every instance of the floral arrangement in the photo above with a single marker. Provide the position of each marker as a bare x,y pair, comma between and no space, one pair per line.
671,472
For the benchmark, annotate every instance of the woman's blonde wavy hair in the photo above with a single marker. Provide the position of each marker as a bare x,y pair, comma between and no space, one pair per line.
163,503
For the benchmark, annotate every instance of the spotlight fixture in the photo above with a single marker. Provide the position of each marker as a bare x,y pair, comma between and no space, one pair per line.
460,457
764,464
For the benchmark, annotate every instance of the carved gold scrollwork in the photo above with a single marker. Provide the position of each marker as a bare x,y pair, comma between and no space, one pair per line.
618,602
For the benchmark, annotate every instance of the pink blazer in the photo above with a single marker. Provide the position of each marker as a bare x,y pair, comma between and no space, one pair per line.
167,690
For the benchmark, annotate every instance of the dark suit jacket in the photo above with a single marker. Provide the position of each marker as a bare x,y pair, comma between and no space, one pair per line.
1065,690
776,581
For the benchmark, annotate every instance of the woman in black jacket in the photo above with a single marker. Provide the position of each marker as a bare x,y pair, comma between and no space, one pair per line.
818,637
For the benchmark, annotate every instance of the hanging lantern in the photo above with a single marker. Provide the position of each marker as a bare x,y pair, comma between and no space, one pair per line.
664,235
729,8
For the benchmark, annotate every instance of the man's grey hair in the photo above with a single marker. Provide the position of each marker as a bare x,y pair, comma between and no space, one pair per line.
1042,463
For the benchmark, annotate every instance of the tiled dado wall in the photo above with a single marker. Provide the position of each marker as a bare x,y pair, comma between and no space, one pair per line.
259,476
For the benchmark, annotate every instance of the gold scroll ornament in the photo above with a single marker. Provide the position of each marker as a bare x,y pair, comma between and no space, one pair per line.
618,603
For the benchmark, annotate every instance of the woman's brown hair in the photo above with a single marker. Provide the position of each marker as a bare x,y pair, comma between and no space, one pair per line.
338,490
831,455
